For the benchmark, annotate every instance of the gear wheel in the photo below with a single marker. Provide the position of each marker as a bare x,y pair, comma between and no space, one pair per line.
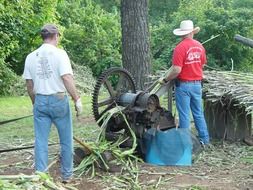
110,85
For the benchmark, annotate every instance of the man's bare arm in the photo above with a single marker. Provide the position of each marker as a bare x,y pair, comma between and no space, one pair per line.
173,72
70,86
29,86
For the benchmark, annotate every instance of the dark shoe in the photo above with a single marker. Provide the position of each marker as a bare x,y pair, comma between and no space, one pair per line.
206,146
67,181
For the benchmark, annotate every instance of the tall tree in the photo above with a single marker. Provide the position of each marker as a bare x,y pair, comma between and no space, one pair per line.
135,40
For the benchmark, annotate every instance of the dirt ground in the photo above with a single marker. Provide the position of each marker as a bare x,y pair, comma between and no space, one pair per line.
225,166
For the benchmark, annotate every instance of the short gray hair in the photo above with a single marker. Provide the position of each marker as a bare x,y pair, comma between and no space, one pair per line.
48,31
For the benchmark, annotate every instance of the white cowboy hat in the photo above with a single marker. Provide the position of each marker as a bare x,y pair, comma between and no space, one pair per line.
186,27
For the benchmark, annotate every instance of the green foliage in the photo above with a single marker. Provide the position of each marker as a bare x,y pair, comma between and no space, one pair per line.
109,5
214,17
18,88
84,79
91,33
162,10
7,78
162,44
7,44
242,4
92,36
20,22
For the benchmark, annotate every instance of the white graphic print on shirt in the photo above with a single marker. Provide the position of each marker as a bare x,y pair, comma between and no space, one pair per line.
193,55
44,70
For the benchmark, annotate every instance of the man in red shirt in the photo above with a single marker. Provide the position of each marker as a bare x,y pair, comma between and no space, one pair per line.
189,57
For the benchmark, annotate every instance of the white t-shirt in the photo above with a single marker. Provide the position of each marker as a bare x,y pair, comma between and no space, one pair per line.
45,66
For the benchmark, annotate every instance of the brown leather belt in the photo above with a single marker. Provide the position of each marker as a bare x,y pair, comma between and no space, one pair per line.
55,94
190,81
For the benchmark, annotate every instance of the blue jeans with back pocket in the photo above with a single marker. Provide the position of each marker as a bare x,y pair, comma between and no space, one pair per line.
189,98
48,110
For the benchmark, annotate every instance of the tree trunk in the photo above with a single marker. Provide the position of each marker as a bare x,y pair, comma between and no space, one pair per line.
135,40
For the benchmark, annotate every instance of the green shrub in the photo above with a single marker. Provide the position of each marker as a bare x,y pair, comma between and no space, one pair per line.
7,79
92,36
84,80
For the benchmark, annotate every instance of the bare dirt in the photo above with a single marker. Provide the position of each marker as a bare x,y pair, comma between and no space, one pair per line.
225,166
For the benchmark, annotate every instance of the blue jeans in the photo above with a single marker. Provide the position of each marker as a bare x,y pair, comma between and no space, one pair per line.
189,97
54,109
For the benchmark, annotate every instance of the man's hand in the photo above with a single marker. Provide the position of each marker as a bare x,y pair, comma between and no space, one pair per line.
78,107
162,80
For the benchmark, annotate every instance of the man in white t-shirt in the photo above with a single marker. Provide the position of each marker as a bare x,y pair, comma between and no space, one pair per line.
49,75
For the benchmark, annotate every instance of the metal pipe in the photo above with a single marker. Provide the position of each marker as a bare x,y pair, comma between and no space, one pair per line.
11,120
243,40
21,148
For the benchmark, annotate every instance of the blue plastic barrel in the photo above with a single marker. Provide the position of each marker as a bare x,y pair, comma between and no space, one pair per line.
170,147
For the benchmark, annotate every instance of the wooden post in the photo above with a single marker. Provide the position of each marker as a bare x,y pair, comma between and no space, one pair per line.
170,100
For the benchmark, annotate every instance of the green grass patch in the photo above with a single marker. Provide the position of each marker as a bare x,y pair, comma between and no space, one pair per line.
22,131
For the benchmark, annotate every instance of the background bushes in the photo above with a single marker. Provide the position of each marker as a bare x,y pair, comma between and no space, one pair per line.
91,34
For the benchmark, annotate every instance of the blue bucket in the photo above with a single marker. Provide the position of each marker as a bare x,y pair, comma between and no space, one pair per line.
170,147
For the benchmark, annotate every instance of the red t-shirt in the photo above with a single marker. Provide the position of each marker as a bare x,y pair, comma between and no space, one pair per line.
190,55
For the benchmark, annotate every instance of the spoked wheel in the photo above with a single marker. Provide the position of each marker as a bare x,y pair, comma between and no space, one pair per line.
110,85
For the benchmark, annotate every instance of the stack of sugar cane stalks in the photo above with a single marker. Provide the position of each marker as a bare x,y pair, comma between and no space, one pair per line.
39,180
108,156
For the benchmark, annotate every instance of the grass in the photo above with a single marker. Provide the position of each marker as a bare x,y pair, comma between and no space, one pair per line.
22,132
226,162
